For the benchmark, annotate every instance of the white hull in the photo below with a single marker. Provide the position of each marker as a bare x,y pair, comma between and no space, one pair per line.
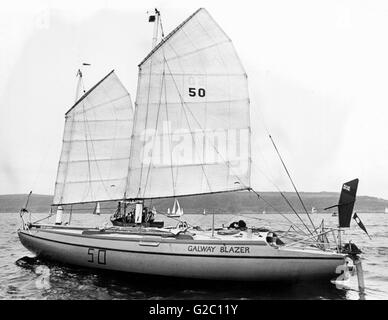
222,259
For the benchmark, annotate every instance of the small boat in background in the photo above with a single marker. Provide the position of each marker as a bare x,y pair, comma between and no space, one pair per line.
97,209
335,214
386,210
176,211
314,210
128,215
204,212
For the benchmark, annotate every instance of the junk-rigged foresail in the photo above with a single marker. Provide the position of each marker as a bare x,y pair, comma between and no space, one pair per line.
96,144
192,128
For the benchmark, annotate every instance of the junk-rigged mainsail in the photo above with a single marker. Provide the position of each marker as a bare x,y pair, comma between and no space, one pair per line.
96,144
192,128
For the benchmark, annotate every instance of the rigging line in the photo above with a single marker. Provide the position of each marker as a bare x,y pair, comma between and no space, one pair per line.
269,204
145,124
112,103
284,197
94,153
154,138
270,180
285,168
222,60
187,120
199,125
169,139
183,103
131,140
161,26
67,154
87,149
269,222
288,202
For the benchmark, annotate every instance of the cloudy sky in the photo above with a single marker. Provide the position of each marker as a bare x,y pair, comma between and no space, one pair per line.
318,81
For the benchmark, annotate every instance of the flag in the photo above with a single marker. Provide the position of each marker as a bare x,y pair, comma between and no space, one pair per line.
360,224
151,18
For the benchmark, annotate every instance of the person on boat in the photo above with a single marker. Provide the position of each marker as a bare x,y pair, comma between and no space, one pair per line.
151,216
127,217
132,216
144,214
238,225
118,210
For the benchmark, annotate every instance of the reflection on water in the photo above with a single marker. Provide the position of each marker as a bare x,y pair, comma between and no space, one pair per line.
65,282
24,277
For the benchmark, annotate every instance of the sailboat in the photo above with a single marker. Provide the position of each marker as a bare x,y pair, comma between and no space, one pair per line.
313,210
386,210
97,209
192,87
176,212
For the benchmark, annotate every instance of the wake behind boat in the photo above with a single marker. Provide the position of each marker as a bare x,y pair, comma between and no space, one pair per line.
192,89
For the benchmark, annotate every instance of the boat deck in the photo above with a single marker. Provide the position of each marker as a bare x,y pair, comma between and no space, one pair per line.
220,236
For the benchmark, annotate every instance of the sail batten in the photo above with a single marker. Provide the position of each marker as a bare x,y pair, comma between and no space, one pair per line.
191,131
96,144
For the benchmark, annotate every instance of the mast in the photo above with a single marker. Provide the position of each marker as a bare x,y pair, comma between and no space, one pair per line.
155,18
180,92
78,90
96,136
79,85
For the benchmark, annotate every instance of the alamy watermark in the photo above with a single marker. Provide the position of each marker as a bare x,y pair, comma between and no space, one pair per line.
182,147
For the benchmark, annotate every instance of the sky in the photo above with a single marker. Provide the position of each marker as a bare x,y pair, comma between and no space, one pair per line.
317,70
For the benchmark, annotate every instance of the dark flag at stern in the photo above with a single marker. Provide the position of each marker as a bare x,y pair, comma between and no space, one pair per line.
360,224
346,203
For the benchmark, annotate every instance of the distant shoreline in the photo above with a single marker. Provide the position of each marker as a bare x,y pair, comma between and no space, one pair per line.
225,203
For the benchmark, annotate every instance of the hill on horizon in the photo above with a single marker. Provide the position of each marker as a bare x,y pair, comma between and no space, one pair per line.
233,202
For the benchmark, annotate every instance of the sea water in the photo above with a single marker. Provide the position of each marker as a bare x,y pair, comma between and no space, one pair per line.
24,277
